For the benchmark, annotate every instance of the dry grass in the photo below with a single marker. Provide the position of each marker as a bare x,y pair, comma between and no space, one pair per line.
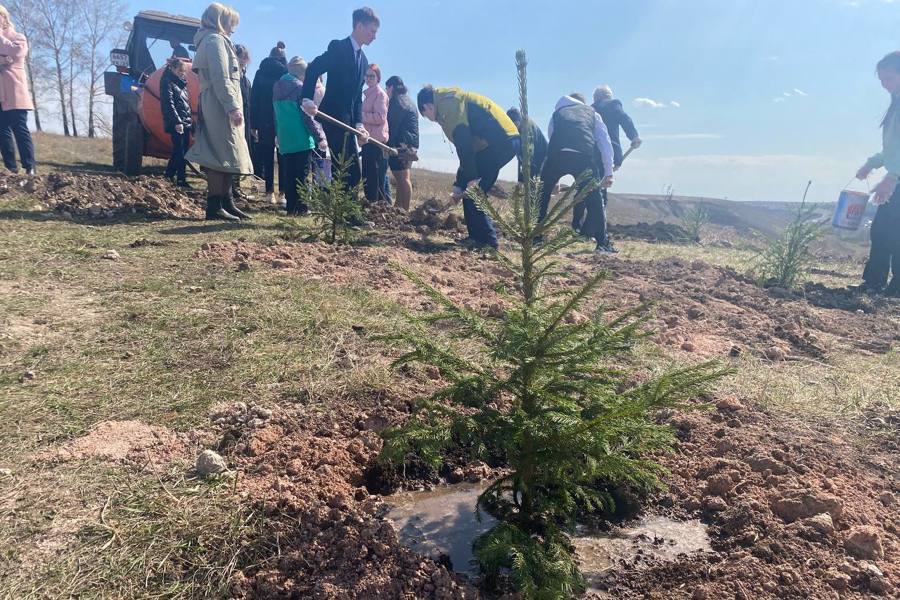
159,336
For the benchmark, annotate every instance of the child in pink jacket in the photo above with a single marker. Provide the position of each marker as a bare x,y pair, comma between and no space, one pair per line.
374,162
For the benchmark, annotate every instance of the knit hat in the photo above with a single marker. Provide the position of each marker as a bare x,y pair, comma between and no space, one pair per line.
278,53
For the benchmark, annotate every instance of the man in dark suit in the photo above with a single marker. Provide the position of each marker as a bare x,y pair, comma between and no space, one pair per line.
346,65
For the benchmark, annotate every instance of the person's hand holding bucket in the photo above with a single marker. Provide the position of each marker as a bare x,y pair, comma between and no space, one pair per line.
884,190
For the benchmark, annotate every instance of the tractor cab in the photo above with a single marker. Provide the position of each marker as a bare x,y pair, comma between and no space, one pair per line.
154,38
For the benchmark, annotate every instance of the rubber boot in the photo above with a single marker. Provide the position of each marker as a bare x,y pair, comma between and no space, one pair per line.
228,205
214,210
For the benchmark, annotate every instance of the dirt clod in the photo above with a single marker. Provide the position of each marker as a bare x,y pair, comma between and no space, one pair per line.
210,463
864,541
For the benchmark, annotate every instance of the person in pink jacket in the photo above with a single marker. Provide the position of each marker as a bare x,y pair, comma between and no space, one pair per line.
374,113
15,99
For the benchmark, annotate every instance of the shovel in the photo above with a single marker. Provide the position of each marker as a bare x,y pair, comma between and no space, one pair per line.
408,153
624,156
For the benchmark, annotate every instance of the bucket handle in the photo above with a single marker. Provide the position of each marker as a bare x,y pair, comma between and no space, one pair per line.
852,179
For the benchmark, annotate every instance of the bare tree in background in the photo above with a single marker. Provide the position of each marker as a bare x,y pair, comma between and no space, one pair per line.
55,25
25,20
102,21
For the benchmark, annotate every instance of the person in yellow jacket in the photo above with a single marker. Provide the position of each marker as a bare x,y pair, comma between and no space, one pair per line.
486,140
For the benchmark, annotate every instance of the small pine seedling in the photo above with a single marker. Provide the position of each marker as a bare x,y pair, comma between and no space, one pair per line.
786,260
334,207
537,391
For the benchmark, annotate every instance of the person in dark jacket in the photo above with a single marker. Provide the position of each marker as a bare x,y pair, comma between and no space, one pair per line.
403,133
176,113
615,117
485,140
538,144
579,144
262,115
243,54
346,65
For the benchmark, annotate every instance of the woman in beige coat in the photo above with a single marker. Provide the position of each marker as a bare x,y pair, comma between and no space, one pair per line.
220,147
15,99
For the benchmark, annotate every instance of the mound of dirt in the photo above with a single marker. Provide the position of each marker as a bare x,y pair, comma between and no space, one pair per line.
794,512
700,309
107,196
122,441
428,217
305,472
656,232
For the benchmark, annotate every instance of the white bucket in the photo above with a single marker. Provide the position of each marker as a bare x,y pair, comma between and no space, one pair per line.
851,207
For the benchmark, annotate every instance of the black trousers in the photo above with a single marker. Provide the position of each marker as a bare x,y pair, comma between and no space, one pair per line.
884,255
561,164
343,144
296,168
177,166
264,161
14,124
374,173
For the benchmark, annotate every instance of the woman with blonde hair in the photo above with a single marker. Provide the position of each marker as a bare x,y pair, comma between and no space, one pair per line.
220,146
15,99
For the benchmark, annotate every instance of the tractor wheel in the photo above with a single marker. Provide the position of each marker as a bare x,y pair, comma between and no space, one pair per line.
128,139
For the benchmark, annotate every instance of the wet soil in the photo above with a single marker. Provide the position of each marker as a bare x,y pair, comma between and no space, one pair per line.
792,510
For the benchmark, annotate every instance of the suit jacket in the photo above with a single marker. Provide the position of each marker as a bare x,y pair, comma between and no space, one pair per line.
614,116
343,92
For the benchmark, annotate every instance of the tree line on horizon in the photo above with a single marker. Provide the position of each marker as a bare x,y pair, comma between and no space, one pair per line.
69,44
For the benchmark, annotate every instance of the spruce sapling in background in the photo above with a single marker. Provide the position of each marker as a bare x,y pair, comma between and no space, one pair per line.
540,392
787,259
693,221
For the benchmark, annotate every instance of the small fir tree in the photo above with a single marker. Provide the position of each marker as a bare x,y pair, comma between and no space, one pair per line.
786,260
539,392
333,206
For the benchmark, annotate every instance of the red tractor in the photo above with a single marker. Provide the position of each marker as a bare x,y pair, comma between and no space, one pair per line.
134,85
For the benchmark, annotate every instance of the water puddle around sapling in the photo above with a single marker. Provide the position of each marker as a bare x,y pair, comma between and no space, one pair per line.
443,522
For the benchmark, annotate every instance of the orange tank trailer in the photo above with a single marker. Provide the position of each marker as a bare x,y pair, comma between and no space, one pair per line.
159,144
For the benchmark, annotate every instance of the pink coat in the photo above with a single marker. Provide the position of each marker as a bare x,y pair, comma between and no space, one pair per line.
374,111
14,94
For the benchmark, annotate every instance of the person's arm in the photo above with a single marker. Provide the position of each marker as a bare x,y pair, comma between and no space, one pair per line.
627,124
226,89
318,67
13,44
601,139
314,128
465,150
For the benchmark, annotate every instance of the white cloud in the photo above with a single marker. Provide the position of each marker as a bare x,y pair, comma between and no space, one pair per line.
778,99
787,94
800,92
674,104
650,103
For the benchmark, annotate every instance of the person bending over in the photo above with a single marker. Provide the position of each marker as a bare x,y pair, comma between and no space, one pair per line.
579,144
485,139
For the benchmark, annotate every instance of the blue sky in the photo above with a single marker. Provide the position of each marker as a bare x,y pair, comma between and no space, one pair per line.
769,93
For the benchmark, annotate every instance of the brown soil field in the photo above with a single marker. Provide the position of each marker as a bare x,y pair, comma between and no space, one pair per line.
134,336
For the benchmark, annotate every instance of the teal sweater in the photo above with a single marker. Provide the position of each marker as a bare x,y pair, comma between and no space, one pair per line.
296,131
889,157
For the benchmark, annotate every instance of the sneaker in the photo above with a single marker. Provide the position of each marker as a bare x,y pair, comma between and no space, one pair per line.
282,202
606,249
30,171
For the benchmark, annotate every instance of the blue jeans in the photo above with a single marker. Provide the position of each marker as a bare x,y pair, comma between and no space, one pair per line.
14,124
488,163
